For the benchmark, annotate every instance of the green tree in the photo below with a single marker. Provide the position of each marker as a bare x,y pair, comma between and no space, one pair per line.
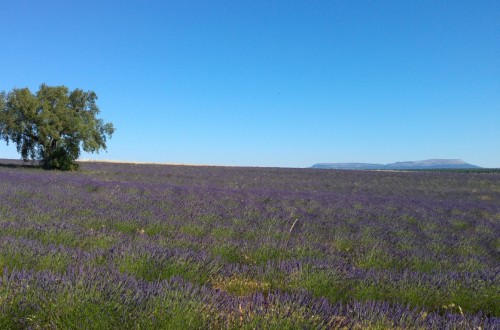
53,125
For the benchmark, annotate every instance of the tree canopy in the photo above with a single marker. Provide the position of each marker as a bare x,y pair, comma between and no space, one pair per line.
53,125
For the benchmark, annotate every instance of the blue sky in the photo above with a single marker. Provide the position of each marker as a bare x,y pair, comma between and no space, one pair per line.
270,83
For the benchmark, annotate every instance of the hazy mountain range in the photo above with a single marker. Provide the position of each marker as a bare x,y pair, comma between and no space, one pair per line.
408,165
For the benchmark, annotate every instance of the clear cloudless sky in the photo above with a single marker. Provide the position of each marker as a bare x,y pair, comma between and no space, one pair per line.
269,83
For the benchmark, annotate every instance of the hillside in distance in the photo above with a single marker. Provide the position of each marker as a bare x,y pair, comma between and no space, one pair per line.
407,165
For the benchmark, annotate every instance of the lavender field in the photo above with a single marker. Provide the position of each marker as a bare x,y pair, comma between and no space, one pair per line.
171,247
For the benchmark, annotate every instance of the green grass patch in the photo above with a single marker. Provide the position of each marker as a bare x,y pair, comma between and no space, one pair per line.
228,253
59,237
378,259
223,233
321,283
193,230
484,299
125,227
56,262
163,229
150,269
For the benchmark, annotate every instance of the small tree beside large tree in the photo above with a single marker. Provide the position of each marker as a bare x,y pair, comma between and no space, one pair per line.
53,125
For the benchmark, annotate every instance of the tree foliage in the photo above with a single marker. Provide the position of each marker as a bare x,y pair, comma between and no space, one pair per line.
53,125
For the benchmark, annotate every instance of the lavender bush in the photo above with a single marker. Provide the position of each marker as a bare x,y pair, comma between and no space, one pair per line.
157,246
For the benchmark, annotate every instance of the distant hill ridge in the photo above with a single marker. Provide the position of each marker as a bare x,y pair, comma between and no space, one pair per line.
407,165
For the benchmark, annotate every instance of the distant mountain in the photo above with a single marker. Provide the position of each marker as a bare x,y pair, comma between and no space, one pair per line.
410,165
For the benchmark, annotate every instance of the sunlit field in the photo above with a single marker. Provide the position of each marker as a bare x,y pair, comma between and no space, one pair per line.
126,246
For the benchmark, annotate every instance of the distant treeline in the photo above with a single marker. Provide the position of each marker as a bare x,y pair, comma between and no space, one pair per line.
459,170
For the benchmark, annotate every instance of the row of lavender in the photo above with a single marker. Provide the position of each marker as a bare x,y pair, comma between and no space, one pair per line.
170,246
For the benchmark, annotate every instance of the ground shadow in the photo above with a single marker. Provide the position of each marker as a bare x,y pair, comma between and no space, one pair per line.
18,163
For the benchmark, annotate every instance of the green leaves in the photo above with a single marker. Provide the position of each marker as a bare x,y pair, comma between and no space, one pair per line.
53,124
